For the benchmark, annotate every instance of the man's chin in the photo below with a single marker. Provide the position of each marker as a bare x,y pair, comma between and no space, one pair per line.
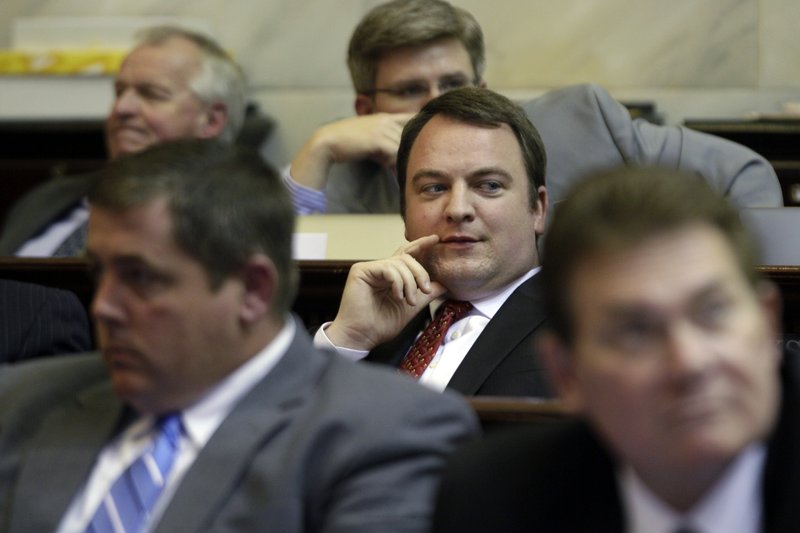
128,383
457,274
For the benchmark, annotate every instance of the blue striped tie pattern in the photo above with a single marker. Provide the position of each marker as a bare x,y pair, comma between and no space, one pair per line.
126,508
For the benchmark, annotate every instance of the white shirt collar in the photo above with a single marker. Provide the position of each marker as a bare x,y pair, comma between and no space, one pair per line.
489,305
732,504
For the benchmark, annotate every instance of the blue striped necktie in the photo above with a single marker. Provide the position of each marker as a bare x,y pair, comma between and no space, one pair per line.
127,507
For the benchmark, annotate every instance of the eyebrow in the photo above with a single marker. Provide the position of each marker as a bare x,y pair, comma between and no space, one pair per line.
449,76
477,173
632,310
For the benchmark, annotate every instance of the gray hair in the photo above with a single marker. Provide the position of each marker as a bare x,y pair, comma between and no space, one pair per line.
220,78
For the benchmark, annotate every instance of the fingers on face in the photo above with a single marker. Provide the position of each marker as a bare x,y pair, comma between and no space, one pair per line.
418,247
408,278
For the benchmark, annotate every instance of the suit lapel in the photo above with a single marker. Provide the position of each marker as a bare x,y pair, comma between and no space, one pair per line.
516,319
260,415
64,452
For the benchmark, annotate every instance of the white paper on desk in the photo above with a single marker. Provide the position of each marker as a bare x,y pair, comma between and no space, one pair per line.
309,245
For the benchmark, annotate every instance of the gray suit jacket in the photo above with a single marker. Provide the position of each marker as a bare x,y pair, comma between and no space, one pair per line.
41,207
585,130
320,444
37,321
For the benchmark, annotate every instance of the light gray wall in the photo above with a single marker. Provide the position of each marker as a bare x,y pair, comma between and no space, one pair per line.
710,59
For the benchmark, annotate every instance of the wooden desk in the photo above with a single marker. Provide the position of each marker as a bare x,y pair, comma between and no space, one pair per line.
496,412
321,285
321,282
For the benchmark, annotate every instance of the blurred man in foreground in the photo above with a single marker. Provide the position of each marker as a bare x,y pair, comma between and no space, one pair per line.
209,409
665,341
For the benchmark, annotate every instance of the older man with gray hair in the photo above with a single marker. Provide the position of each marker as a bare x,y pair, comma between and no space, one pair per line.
174,84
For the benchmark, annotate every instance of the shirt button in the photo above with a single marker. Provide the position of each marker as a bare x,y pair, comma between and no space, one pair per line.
456,334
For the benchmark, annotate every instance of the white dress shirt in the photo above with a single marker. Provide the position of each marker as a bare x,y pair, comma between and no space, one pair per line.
200,421
458,339
732,504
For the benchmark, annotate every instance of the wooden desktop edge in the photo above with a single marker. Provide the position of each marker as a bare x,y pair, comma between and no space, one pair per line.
66,272
305,265
321,284
491,409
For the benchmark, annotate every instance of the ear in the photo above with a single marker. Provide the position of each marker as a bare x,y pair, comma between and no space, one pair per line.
260,279
364,104
216,116
561,370
541,210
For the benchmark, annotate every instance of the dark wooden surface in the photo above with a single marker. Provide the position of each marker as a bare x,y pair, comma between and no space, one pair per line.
32,152
321,284
502,409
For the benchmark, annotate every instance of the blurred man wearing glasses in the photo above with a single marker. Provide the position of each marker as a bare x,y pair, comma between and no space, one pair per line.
404,53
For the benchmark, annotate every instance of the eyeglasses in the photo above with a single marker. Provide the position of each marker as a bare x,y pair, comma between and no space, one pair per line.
417,90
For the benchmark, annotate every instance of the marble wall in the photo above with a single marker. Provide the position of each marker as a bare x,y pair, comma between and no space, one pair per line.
717,58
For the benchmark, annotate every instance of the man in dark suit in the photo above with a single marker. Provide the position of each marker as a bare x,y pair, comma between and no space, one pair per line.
174,84
212,402
36,321
471,166
665,341
403,53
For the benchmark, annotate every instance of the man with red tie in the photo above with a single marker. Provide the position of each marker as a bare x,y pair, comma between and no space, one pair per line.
471,168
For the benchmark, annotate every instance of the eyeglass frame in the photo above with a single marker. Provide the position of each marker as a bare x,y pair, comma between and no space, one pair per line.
401,91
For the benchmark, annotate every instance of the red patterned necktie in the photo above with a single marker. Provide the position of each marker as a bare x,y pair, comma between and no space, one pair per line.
424,348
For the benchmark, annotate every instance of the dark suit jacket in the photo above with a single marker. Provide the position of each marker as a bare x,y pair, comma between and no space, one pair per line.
41,207
502,360
585,130
560,478
320,444
37,320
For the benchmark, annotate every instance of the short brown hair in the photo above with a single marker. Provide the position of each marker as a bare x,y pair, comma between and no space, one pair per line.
410,23
226,204
486,109
619,209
